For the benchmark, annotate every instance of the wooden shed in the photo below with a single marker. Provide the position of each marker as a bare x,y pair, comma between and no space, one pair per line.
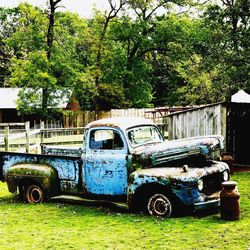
232,120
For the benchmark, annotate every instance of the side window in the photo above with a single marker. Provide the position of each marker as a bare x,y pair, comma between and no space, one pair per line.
105,139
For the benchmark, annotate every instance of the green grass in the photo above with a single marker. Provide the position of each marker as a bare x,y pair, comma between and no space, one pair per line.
58,225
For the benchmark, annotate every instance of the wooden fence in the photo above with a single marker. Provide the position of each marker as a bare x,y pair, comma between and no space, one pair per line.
14,131
82,118
157,115
19,137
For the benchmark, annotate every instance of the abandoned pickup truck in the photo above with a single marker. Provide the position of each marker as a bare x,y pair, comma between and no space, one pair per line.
123,159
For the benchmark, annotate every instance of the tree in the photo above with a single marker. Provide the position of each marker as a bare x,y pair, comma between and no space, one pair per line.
53,4
193,76
229,47
30,67
7,28
105,21
140,45
200,87
100,52
47,57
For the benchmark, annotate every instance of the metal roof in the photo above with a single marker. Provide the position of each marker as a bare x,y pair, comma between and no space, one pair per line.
241,97
196,108
9,96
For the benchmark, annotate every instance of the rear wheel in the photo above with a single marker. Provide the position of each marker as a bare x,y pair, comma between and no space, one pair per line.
160,205
34,194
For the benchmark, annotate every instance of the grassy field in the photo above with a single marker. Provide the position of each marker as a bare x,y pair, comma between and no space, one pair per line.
61,225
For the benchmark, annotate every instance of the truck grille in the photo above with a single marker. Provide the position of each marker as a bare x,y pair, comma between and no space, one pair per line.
212,183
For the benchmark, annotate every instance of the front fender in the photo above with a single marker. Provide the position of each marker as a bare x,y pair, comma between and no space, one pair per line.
137,182
20,174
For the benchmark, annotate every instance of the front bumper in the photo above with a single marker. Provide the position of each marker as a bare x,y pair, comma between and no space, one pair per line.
206,204
212,201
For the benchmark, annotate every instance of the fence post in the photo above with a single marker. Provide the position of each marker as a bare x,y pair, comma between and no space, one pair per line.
6,137
27,135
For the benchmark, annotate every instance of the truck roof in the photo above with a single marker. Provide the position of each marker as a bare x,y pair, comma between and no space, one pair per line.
120,122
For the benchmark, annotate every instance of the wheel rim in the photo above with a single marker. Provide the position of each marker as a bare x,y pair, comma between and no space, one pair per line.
159,205
34,194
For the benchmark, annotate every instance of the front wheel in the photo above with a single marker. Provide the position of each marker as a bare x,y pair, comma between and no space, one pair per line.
160,205
34,194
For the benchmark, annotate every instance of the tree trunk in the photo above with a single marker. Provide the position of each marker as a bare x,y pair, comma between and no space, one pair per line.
50,39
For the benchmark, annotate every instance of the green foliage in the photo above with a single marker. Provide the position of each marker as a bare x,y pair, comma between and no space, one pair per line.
29,101
85,91
110,96
200,88
31,72
31,68
229,48
143,54
7,28
29,29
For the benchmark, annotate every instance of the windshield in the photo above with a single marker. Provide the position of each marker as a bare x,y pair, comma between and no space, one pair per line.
144,135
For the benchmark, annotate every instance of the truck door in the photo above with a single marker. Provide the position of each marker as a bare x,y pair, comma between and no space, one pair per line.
105,163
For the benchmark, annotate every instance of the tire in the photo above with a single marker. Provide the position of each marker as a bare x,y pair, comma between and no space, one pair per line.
159,205
34,194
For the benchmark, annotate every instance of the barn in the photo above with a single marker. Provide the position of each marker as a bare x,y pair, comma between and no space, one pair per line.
8,107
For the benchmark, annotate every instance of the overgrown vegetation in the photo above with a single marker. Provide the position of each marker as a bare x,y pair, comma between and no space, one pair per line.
60,225
140,53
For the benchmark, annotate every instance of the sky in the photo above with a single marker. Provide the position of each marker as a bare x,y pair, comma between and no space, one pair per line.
82,7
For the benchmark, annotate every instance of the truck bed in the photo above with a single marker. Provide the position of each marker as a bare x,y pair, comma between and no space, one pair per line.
66,166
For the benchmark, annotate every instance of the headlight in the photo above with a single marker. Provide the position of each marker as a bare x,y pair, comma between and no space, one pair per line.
200,185
225,176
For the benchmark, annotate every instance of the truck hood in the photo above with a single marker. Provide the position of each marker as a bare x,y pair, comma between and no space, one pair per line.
178,174
155,154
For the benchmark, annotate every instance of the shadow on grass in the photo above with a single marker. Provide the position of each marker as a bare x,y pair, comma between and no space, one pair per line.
205,213
112,206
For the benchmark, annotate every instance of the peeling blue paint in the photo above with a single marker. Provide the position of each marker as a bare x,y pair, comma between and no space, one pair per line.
105,171
67,168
